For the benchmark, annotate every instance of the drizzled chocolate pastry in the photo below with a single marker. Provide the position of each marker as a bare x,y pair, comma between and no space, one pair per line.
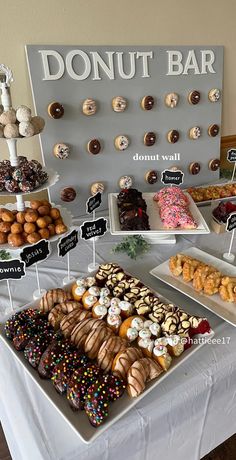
104,271
132,210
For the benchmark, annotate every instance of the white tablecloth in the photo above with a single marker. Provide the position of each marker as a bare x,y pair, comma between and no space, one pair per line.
185,417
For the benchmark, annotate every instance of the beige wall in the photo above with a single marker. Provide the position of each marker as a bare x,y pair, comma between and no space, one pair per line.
91,22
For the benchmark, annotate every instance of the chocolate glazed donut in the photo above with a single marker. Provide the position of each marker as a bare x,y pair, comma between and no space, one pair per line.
147,103
149,139
94,146
194,97
214,164
55,110
194,168
213,130
173,136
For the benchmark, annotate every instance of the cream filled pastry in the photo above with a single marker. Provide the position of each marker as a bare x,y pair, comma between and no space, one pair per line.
78,291
126,308
171,100
89,107
125,182
114,310
115,302
131,334
99,311
214,95
195,132
104,301
90,281
175,345
114,322
121,142
119,104
146,345
161,355
145,333
104,292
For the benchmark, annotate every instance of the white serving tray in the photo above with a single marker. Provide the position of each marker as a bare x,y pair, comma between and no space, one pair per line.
78,421
53,177
207,202
214,303
66,216
156,226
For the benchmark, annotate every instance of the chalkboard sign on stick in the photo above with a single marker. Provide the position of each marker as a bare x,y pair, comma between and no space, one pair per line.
231,155
170,177
35,253
93,202
92,228
13,269
67,243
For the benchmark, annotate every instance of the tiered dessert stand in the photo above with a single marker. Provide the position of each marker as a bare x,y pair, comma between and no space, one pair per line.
53,177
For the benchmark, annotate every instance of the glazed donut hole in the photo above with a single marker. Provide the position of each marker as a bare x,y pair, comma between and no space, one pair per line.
16,228
20,217
3,238
51,229
29,228
35,204
15,240
61,228
55,213
7,216
31,216
41,222
44,233
48,219
5,227
43,210
33,238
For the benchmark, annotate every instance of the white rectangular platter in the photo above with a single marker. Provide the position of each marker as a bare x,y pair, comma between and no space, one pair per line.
156,226
214,303
78,421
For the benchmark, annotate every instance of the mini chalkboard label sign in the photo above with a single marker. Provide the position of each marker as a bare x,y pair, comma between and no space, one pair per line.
93,203
231,155
35,253
13,269
231,222
67,243
170,177
93,228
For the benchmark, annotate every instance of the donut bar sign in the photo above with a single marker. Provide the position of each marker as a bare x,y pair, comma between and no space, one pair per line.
91,63
122,111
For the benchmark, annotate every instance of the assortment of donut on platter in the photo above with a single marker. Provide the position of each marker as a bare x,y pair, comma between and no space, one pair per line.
105,334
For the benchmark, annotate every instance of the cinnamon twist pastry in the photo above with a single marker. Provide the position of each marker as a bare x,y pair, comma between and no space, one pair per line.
139,373
108,350
58,312
69,321
95,339
80,332
228,292
123,360
53,297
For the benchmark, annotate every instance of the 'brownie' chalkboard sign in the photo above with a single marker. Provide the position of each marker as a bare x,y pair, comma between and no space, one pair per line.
13,269
35,253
